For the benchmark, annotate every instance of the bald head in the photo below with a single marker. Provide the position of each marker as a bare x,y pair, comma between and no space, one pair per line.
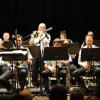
42,27
89,40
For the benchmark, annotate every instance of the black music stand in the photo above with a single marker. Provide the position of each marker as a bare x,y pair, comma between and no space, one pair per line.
13,56
36,53
9,55
73,48
91,54
35,50
55,53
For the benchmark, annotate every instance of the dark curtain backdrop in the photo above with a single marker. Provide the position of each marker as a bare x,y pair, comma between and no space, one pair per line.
75,16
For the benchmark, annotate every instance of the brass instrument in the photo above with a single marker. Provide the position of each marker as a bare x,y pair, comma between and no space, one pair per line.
46,66
35,34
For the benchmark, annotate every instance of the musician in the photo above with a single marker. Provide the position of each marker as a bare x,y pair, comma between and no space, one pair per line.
64,38
50,68
39,38
7,43
5,72
86,66
23,66
90,33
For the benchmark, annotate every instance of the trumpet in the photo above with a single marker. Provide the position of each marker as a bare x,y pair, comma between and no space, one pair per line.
36,33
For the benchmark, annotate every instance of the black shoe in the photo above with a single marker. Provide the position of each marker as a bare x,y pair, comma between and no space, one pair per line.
46,92
23,83
6,84
36,84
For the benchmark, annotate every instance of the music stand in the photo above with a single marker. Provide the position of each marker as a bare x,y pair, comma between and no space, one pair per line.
36,53
35,50
90,54
14,55
55,53
73,48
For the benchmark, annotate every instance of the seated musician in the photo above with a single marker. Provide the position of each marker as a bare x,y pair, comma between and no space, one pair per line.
50,68
7,43
64,38
5,72
23,65
86,66
90,33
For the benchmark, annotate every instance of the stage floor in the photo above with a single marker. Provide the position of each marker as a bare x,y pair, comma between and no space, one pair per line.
40,90
8,97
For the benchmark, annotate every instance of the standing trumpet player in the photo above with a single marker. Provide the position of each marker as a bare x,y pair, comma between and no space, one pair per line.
39,38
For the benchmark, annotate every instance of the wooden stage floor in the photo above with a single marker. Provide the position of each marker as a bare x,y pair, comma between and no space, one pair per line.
8,97
36,94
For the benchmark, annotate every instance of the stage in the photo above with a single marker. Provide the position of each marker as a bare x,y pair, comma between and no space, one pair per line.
8,97
38,95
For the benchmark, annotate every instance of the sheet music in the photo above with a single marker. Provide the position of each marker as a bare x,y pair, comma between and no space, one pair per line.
14,52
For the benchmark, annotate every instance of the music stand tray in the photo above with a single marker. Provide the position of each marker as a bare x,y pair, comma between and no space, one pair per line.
14,54
90,54
55,53
35,50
